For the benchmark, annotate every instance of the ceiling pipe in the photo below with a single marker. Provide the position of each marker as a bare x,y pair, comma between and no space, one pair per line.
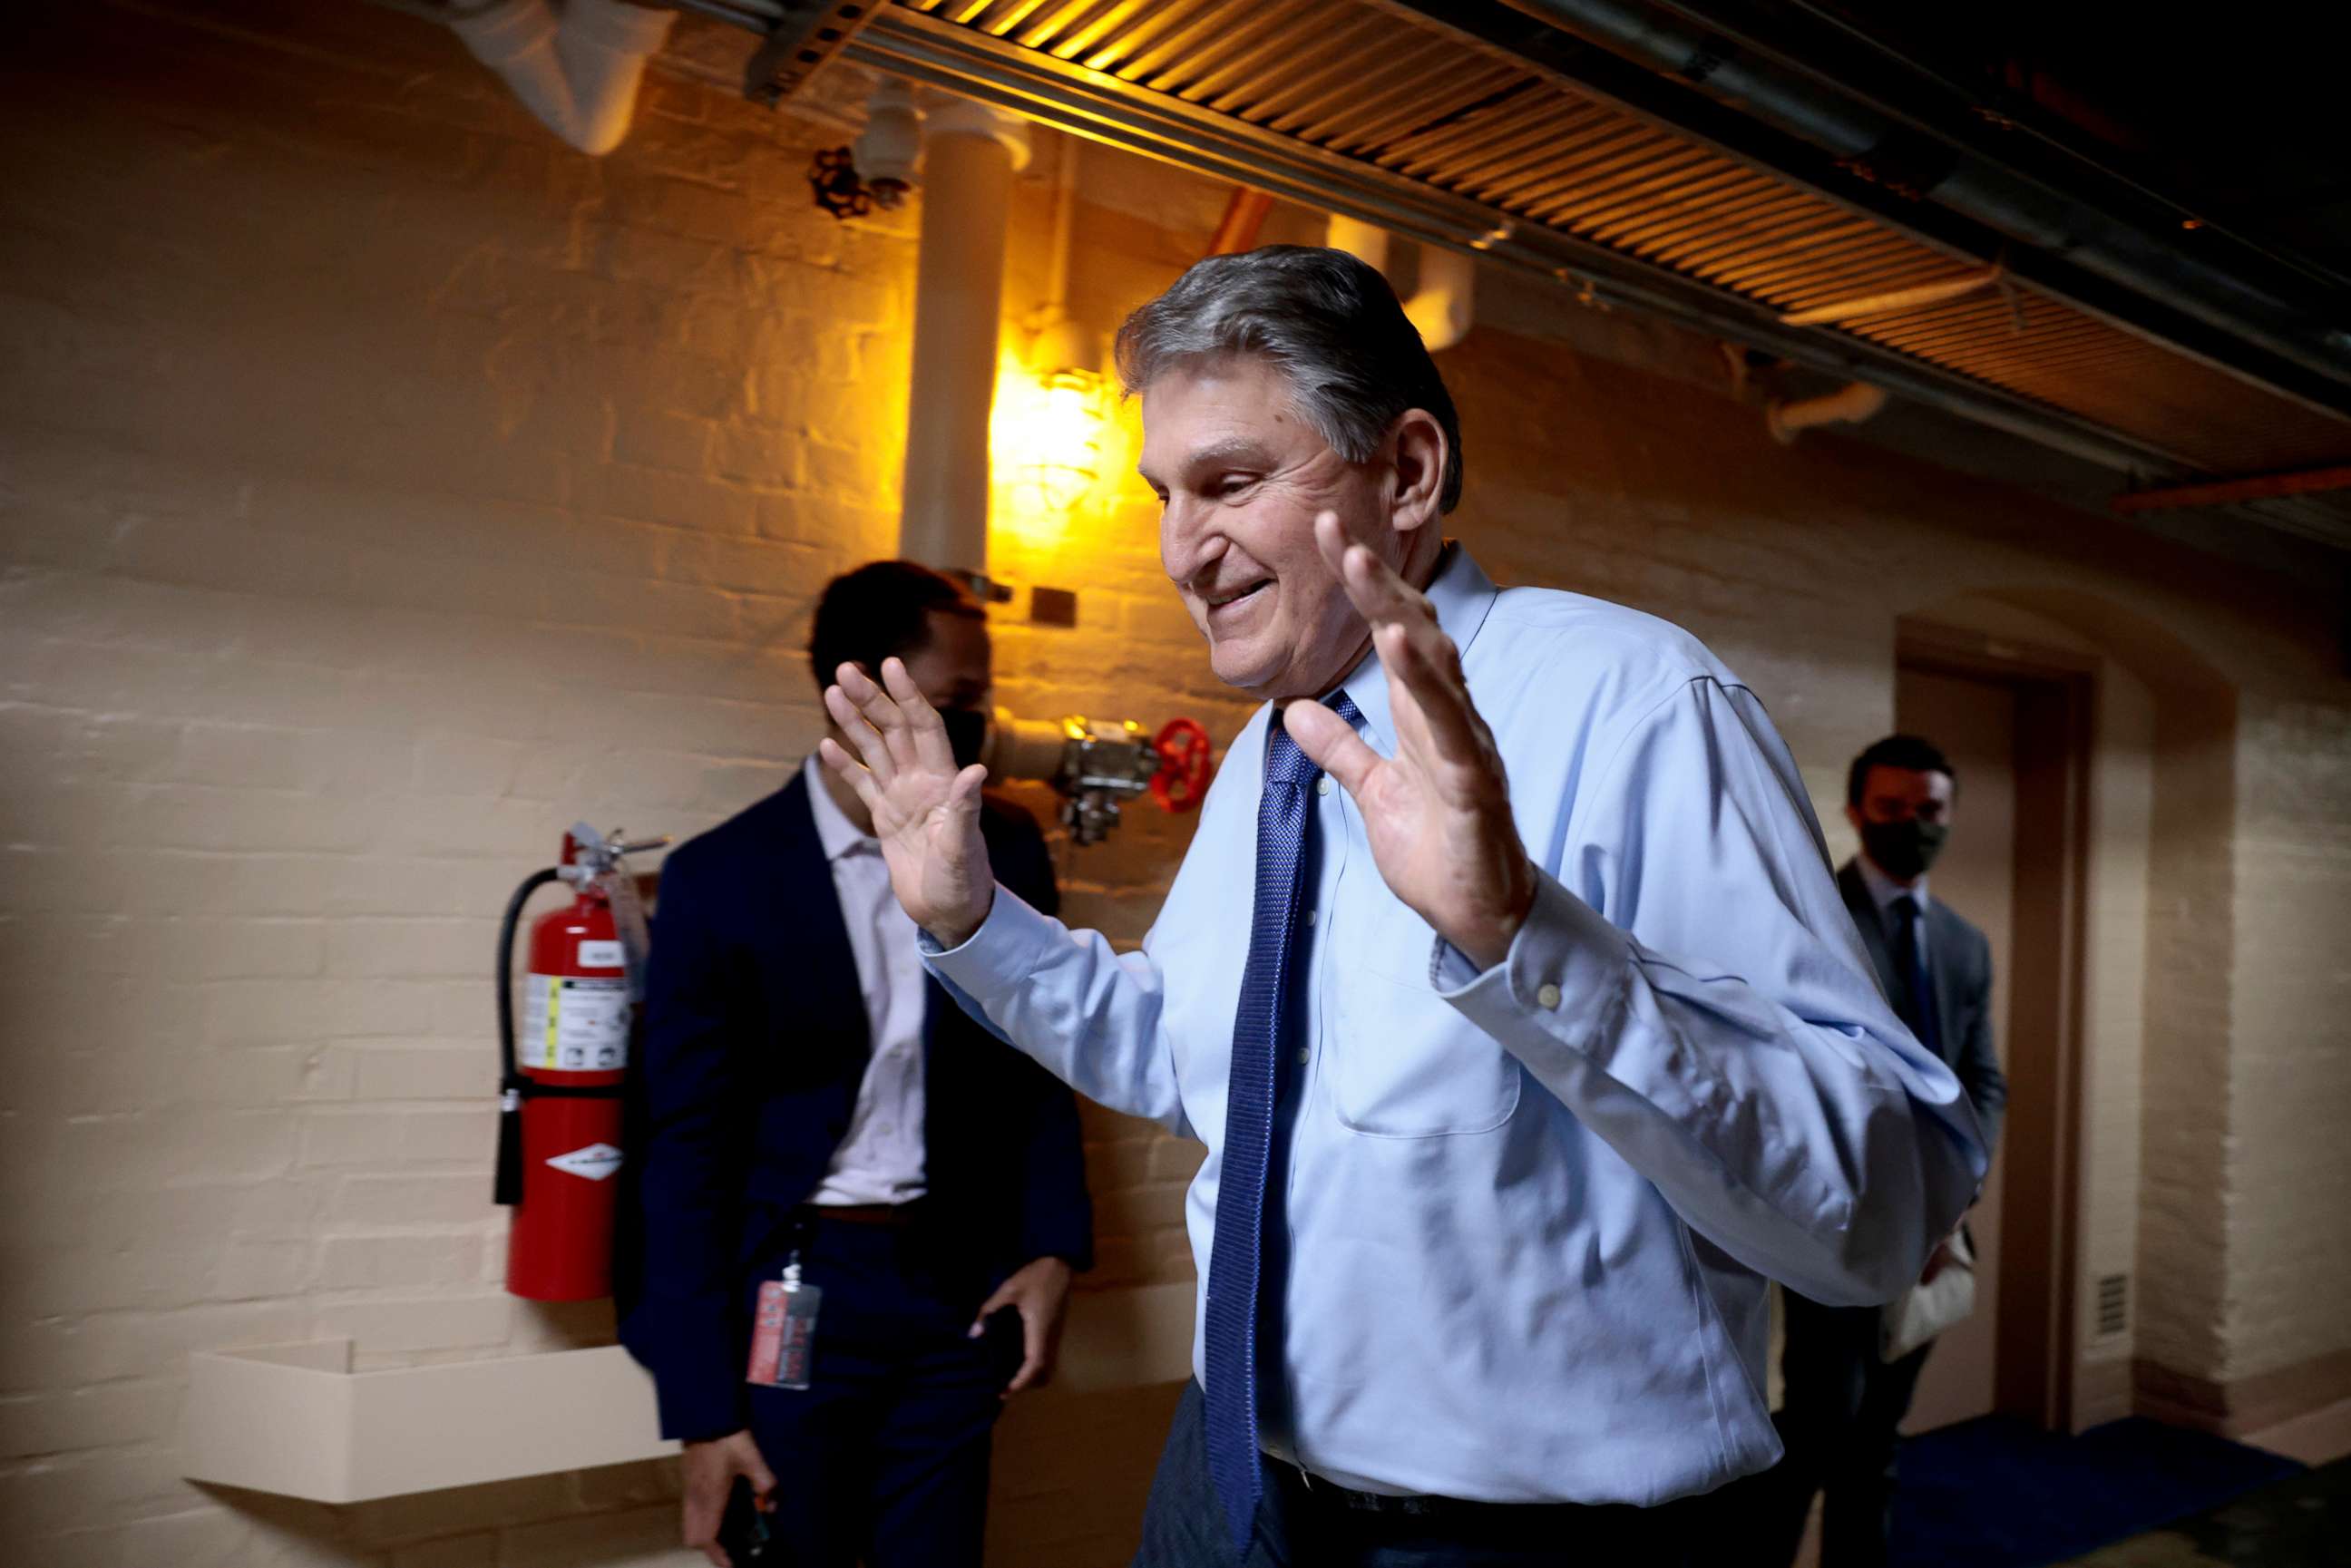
970,154
1446,300
579,74
888,153
1237,231
1849,404
1057,342
2093,240
1442,306
2229,492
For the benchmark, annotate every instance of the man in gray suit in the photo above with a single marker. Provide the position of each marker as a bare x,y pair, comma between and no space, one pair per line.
1843,1403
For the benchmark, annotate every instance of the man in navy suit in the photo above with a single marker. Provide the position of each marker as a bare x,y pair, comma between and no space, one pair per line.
808,1093
1844,1405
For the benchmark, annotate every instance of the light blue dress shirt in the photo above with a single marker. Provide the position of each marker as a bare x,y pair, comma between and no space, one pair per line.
1530,1212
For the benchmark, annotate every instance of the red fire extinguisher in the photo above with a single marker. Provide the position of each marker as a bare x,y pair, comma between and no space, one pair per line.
560,1080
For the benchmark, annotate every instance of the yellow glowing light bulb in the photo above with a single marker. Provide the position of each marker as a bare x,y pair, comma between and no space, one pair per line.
1067,438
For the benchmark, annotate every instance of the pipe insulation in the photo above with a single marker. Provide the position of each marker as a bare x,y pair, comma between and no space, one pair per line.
1444,304
1849,404
970,154
578,73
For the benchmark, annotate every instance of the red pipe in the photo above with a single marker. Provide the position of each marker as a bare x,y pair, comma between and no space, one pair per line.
1244,215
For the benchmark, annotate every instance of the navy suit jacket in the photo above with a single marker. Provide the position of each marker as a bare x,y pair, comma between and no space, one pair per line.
754,1044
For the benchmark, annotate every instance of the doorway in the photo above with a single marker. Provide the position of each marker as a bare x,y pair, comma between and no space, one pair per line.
2015,723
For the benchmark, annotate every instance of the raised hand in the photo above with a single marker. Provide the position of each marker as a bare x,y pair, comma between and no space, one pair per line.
1438,813
925,811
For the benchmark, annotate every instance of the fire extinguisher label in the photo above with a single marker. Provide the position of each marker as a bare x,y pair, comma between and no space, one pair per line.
574,1025
595,1162
600,956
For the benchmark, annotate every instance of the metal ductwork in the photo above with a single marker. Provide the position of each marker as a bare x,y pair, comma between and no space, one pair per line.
1649,155
2150,262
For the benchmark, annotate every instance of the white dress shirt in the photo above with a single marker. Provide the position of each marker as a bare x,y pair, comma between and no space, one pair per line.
879,1159
1529,1214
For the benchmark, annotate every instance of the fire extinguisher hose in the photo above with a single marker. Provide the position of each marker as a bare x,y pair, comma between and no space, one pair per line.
515,1086
512,1086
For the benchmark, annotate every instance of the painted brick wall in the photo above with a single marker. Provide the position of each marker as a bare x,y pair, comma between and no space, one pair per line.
385,486
2186,1196
2290,1236
2116,1010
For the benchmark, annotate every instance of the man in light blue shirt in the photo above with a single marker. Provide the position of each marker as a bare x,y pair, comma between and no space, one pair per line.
1524,1054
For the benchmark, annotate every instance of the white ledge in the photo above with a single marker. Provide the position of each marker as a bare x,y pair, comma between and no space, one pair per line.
296,1421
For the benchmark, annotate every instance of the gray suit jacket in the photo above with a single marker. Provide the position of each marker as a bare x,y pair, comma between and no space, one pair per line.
1960,959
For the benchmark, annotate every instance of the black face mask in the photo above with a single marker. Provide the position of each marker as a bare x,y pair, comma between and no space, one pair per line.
1903,850
966,733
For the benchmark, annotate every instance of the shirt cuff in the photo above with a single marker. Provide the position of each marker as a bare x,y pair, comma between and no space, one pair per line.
1566,965
1010,944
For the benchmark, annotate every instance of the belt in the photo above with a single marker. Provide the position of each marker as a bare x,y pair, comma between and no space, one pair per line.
1314,1490
891,1215
1318,1493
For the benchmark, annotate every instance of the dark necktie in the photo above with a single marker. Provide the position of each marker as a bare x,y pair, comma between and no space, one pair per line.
1285,821
1916,1006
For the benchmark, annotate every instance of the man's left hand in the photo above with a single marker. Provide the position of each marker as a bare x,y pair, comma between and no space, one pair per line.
1438,813
1038,1291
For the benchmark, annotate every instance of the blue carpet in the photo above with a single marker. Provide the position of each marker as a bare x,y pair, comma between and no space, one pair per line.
1997,1493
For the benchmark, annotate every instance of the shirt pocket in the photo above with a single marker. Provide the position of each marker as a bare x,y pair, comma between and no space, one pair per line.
1404,1064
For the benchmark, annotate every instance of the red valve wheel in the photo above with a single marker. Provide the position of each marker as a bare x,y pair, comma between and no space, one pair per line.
1185,755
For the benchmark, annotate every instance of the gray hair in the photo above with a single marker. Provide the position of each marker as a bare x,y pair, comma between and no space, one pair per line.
1328,321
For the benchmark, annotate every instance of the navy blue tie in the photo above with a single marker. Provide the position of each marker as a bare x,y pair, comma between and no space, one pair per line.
1285,821
1910,959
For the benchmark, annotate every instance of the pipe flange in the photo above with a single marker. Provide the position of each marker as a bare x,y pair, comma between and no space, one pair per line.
967,117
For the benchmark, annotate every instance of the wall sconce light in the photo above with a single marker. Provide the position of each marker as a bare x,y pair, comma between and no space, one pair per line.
1050,425
1068,438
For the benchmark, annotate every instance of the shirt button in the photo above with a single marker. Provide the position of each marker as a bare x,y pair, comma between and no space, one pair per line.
1322,785
1309,917
1305,1055
1548,996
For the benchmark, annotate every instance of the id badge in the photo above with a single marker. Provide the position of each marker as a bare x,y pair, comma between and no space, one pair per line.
783,1330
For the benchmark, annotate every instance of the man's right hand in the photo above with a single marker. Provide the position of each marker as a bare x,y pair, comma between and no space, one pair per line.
710,1470
925,809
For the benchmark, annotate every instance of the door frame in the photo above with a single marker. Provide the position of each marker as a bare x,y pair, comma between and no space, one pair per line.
2037,1343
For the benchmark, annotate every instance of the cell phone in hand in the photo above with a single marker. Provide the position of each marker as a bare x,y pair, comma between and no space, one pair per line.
743,1530
1007,1343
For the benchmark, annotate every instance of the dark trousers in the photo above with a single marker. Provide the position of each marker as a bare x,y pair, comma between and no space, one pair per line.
1313,1525
1839,1420
884,1459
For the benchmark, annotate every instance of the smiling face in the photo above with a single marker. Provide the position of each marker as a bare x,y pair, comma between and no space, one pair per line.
1240,476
